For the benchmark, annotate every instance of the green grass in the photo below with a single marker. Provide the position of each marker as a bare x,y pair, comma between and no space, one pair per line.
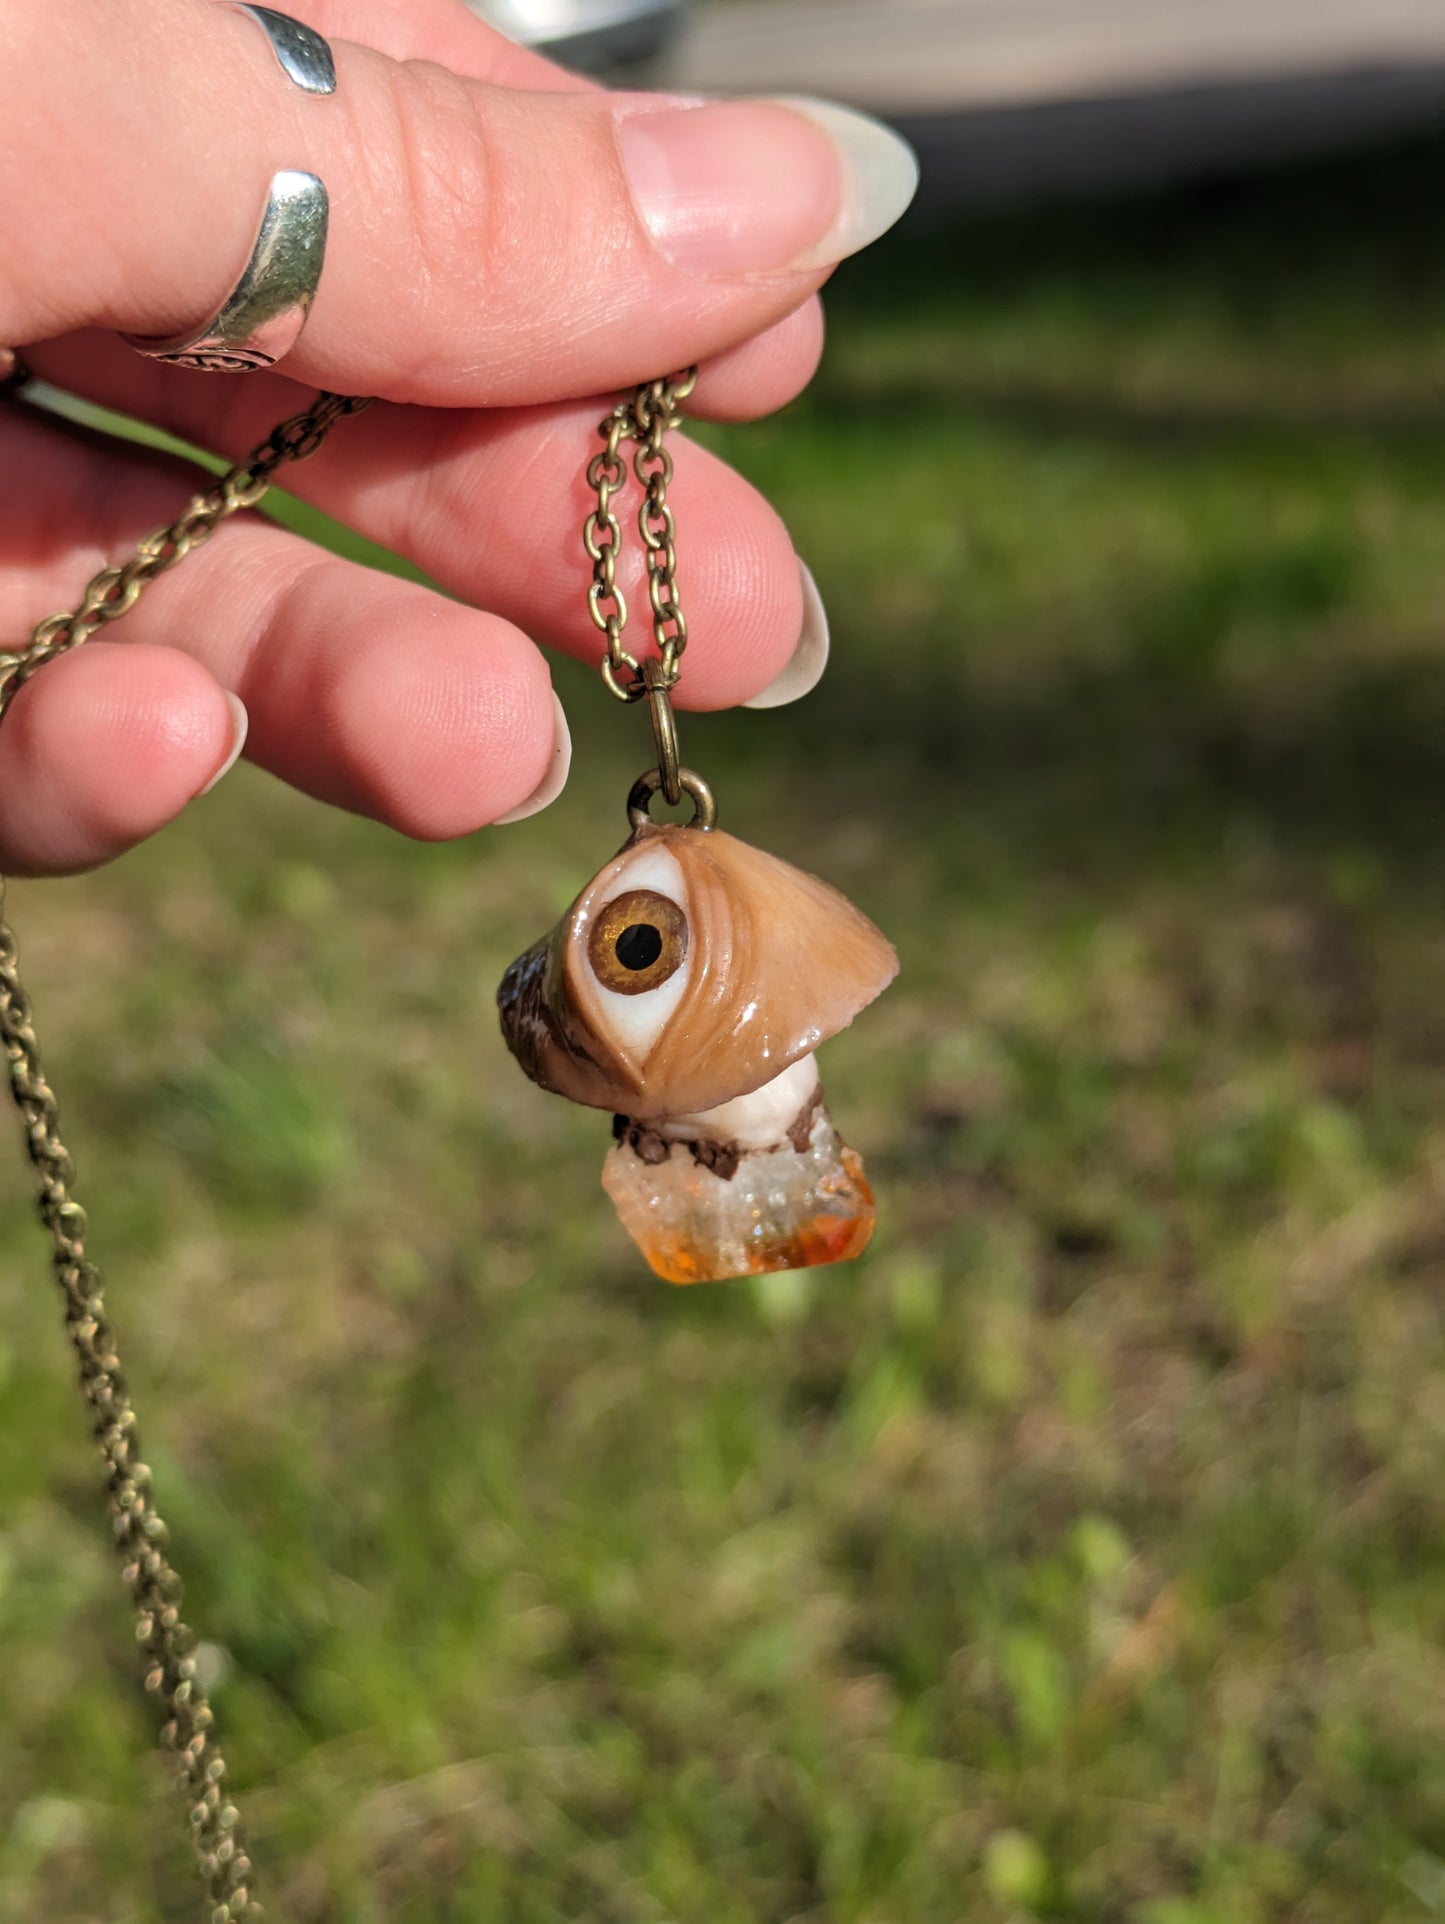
1078,1554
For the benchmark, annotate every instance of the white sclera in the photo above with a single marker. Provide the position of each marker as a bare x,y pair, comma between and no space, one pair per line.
636,1021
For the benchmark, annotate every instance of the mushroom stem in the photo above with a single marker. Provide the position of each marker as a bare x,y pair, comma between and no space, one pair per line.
759,1120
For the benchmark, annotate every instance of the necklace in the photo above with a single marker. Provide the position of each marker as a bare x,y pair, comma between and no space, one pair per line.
687,986
684,991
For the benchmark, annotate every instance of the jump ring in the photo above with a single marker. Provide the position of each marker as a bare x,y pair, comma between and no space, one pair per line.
704,803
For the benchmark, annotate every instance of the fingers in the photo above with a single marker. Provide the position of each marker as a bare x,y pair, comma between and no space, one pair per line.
365,691
491,506
516,478
487,246
101,749
763,374
742,384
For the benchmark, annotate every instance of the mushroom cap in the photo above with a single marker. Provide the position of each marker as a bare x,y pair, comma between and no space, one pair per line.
768,962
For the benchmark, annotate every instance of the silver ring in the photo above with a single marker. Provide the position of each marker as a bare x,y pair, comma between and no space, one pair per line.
301,53
262,317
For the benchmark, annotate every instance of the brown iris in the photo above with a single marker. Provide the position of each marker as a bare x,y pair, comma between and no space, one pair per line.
637,942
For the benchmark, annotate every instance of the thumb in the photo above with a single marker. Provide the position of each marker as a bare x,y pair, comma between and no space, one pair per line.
486,245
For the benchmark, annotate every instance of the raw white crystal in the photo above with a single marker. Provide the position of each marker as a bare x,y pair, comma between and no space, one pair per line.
779,1208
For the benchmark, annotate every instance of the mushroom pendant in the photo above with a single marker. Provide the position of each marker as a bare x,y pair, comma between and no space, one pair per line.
685,990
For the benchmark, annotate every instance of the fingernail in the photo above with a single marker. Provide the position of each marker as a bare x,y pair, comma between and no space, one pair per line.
240,723
804,669
757,186
555,779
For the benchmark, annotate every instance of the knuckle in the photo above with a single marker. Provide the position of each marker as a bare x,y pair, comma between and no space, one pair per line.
441,171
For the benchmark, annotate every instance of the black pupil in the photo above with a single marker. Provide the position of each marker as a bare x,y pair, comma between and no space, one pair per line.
639,946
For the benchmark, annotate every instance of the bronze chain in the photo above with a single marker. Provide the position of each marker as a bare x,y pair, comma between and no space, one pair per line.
645,418
114,591
188,1728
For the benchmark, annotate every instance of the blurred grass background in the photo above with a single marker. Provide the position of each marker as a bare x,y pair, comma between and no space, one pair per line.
1078,1554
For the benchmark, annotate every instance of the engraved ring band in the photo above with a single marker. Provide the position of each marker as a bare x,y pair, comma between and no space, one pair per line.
262,317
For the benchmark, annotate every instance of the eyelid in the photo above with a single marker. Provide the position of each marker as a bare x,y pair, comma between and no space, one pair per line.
628,1028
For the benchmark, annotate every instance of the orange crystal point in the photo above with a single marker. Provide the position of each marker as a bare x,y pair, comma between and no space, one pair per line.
782,1207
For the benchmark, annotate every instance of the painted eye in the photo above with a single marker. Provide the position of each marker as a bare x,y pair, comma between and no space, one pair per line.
638,942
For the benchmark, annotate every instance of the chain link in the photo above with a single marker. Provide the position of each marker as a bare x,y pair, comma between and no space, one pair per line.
115,591
141,1538
645,418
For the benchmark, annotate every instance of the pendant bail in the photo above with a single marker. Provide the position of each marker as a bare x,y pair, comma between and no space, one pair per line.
704,802
664,729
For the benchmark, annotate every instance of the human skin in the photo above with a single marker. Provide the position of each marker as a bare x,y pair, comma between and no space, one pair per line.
510,247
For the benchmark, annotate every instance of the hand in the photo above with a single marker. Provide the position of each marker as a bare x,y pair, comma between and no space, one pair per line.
510,247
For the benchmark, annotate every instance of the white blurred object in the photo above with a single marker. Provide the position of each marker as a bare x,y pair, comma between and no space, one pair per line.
904,57
599,36
1006,98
